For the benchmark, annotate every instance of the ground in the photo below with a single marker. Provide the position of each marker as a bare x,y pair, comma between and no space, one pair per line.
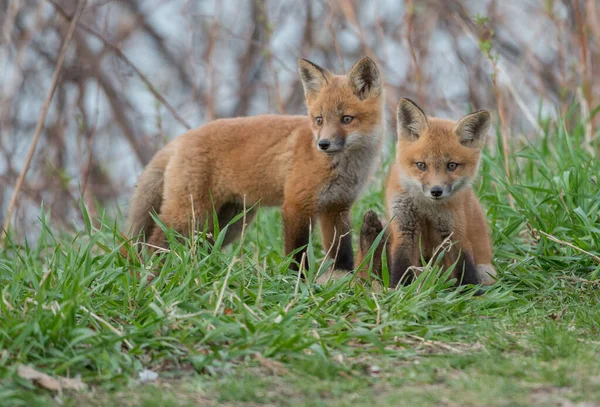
236,327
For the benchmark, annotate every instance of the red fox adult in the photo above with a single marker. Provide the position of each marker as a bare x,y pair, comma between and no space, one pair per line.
312,166
429,198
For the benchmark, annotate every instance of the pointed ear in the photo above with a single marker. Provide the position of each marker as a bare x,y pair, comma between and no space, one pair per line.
313,77
365,79
411,120
472,129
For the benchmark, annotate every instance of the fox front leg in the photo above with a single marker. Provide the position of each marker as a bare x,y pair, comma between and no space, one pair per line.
337,239
461,253
296,229
370,230
406,231
404,256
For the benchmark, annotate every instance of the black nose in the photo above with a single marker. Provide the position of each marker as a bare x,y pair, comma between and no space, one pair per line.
324,144
436,192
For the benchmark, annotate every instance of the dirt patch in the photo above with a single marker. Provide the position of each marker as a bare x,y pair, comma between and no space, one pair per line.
556,396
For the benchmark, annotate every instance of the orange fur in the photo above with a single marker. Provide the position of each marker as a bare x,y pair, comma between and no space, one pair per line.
273,160
421,220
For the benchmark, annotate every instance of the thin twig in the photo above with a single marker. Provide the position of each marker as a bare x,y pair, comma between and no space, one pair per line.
587,125
571,245
378,309
242,235
194,231
220,299
579,280
300,270
109,326
259,293
42,119
327,255
519,100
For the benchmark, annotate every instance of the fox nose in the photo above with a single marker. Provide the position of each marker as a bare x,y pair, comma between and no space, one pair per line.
323,144
436,192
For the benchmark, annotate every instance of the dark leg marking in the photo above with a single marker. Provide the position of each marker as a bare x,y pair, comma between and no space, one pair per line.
467,271
345,257
300,240
400,272
371,228
226,214
408,223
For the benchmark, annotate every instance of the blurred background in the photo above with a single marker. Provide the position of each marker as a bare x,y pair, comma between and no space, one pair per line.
140,72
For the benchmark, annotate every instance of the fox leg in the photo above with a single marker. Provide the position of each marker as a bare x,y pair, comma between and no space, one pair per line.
405,234
371,228
405,254
486,274
337,240
296,229
183,206
461,253
225,215
181,221
466,273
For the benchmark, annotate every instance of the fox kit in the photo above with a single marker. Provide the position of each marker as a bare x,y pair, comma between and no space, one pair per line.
312,166
429,198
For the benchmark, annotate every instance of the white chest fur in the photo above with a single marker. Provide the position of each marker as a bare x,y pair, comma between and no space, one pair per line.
350,172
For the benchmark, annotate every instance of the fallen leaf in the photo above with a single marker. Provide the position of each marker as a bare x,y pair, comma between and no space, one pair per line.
147,375
72,383
48,382
274,366
374,370
558,316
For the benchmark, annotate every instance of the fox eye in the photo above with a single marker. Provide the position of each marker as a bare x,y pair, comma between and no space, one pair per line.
422,166
347,119
319,121
452,166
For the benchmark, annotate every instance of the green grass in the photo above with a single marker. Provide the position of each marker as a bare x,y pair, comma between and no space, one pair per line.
235,327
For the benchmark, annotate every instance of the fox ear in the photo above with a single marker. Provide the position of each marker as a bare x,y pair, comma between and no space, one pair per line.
365,79
472,129
313,77
411,120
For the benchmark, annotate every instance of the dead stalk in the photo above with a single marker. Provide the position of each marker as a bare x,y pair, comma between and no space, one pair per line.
378,309
242,235
296,289
571,245
194,231
220,299
105,323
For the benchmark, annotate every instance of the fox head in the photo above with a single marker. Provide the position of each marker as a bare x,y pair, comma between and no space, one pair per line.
346,111
438,158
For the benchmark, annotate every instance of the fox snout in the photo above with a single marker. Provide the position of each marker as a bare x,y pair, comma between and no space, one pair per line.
324,144
331,145
438,191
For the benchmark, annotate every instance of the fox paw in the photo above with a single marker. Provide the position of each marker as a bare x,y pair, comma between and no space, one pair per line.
371,228
486,274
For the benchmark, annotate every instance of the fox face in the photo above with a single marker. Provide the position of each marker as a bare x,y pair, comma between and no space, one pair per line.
346,111
438,157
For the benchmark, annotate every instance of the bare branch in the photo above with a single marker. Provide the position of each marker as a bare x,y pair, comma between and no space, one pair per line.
40,124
